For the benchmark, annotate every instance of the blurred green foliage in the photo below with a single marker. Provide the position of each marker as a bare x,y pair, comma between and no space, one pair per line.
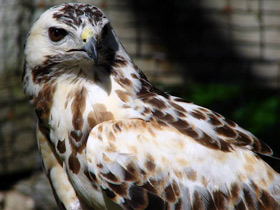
212,93
260,114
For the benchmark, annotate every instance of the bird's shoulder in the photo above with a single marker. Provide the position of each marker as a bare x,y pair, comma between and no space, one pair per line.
201,124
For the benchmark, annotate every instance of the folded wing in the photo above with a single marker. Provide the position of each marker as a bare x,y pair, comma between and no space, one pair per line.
144,165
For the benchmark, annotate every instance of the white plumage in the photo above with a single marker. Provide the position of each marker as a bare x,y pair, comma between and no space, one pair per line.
110,140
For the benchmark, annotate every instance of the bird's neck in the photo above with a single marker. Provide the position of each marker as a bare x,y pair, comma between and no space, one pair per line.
111,85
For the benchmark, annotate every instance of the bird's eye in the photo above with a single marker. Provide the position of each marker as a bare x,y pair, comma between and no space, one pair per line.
57,34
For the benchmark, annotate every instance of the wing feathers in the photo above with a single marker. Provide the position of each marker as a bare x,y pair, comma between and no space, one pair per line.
139,169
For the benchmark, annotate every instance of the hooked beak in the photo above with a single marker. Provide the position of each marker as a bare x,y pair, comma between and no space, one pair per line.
91,48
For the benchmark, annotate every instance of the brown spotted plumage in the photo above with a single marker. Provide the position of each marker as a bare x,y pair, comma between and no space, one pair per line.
110,140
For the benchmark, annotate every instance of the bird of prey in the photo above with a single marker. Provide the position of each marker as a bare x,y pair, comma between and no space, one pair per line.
110,140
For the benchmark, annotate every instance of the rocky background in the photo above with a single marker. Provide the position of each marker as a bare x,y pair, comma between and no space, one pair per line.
186,44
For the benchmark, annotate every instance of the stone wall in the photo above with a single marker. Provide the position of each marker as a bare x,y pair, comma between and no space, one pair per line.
203,30
171,41
252,28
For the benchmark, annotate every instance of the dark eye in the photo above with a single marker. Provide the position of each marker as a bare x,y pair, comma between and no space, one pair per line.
57,34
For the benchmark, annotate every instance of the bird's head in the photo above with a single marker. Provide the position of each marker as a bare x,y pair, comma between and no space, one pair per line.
68,36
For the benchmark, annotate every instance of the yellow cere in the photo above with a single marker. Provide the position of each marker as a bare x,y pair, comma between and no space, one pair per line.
87,33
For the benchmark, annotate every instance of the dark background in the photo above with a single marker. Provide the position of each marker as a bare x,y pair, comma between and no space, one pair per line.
215,74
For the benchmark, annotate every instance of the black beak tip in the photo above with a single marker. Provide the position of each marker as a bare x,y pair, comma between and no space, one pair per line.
95,57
